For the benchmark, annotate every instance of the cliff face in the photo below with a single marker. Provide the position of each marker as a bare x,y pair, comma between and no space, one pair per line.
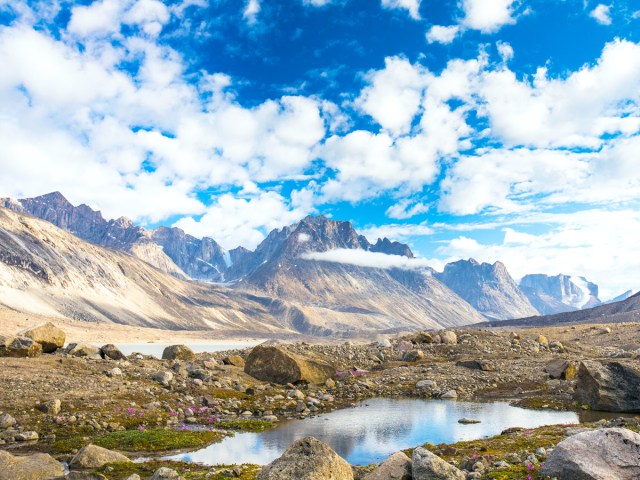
488,288
560,293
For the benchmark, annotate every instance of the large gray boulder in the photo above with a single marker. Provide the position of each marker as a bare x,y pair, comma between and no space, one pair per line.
308,459
21,347
93,456
31,467
178,352
83,350
278,365
164,473
608,386
112,352
396,467
428,466
605,454
48,335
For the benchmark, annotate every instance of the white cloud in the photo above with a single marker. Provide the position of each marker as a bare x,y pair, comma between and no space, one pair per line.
234,220
393,95
363,258
251,11
505,51
601,14
442,34
317,3
488,16
411,6
406,209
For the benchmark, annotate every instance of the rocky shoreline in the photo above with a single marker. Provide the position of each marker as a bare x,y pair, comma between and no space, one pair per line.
79,395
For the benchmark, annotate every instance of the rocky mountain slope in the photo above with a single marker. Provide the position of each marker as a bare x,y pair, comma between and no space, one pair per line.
46,270
339,292
560,293
488,288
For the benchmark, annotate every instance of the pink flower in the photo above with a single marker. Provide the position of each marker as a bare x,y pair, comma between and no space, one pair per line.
141,427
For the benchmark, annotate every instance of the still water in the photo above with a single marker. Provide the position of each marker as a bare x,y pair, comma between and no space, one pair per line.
377,428
156,349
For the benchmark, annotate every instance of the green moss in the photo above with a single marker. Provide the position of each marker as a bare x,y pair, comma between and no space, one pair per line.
225,394
190,471
249,425
157,440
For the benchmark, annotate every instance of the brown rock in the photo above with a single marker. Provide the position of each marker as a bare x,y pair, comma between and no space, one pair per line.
563,369
178,352
31,467
608,386
235,360
21,347
308,459
48,335
93,456
396,467
278,365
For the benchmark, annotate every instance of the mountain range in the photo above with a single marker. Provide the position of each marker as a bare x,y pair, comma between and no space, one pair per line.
278,282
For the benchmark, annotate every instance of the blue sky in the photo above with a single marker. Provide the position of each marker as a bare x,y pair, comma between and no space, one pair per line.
494,129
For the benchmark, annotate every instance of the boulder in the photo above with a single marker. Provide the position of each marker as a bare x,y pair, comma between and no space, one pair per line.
278,365
31,467
164,378
542,340
449,395
83,476
605,454
93,456
21,347
48,335
608,386
235,360
428,466
83,350
52,407
6,421
178,352
112,352
413,356
483,365
423,337
448,337
396,467
383,343
562,369
308,459
29,436
164,473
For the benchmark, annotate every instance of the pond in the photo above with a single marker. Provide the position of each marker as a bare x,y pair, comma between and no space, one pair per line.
156,349
376,428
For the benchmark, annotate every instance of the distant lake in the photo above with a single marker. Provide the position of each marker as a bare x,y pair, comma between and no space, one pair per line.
377,428
156,349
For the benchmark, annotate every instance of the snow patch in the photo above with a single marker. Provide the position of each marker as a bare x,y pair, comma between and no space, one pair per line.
585,295
303,237
227,259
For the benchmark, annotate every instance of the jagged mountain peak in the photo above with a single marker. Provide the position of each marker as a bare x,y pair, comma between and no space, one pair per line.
389,247
559,293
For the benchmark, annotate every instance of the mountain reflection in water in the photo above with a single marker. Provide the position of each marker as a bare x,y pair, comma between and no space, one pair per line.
377,428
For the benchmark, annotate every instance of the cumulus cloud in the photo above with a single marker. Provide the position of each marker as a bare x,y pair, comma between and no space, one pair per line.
411,6
233,220
601,14
363,258
442,34
488,16
251,11
397,232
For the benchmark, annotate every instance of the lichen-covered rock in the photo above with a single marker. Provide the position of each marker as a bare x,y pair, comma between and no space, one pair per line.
31,467
396,467
178,352
93,456
278,365
21,347
448,337
164,473
609,386
308,459
561,369
48,335
428,466
605,454
235,360
52,407
6,421
83,350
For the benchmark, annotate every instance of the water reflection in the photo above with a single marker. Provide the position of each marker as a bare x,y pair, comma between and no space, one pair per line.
376,428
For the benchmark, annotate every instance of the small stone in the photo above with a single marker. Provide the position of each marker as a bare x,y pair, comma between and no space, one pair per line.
451,394
448,337
52,407
27,436
413,356
164,473
164,378
178,352
112,352
234,360
7,421
468,421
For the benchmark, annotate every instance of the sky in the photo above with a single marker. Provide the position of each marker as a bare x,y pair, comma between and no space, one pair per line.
493,129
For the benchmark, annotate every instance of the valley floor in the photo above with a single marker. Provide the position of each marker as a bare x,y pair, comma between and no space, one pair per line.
127,405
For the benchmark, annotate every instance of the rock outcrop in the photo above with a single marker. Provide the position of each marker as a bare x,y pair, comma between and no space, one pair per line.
31,467
608,386
308,459
278,365
605,454
20,347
